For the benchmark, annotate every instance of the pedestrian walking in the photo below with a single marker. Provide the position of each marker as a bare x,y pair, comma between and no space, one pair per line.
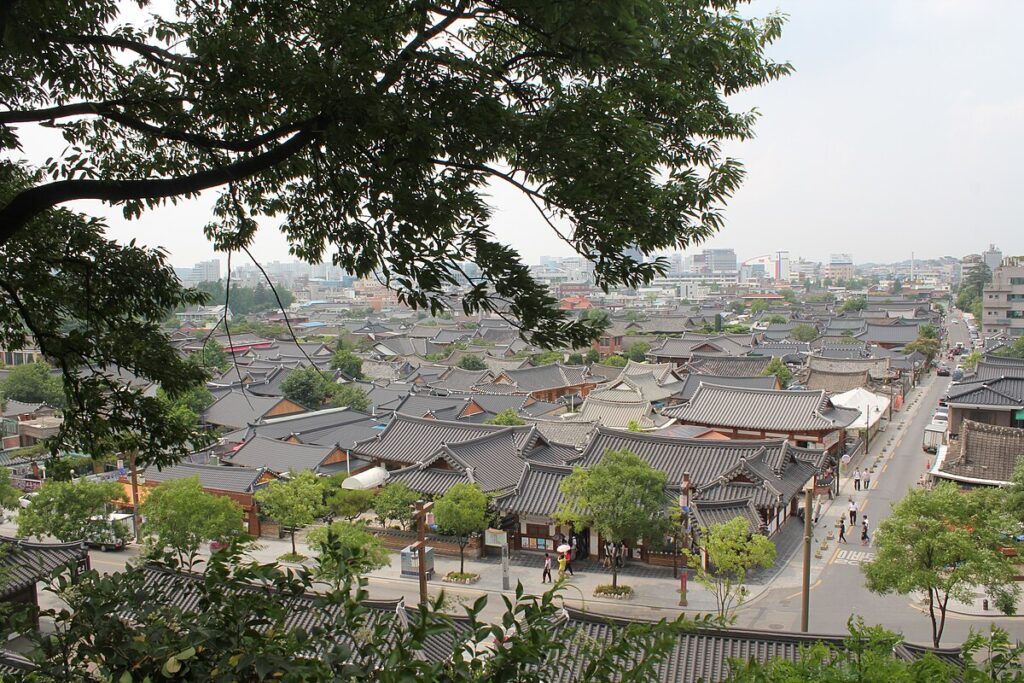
561,567
856,479
623,554
853,512
546,576
867,480
568,563
864,540
842,530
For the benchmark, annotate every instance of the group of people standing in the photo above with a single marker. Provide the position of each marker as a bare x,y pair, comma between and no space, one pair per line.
865,539
861,481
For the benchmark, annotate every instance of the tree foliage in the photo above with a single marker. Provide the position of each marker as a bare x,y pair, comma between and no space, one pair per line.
247,300
292,503
804,332
507,418
212,357
732,551
461,512
344,549
638,352
348,363
95,308
774,319
380,148
179,515
9,496
615,361
472,362
349,396
781,371
759,306
621,497
854,304
943,543
33,383
394,504
349,503
63,509
926,346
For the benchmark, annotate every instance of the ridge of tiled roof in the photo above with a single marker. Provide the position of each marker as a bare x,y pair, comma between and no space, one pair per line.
774,410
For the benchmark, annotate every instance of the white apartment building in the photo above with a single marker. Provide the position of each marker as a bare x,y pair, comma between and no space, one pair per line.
1002,304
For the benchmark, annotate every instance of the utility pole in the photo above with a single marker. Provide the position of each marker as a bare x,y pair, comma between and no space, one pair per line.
420,546
136,518
805,600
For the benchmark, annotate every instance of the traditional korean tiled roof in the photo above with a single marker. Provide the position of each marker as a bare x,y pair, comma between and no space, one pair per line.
789,350
538,491
900,334
13,408
710,512
836,382
703,655
564,431
662,372
410,439
694,380
618,407
23,563
683,348
238,409
762,409
457,379
706,460
316,427
553,376
1005,392
988,370
608,372
877,368
984,451
220,478
731,366
280,456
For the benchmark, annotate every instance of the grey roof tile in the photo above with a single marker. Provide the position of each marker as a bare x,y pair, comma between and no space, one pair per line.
762,409
279,456
218,477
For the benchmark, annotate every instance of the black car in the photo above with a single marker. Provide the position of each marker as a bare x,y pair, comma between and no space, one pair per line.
943,371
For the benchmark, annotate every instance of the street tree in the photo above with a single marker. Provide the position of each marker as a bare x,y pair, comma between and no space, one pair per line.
64,509
179,515
507,418
9,495
732,552
615,361
926,346
33,383
344,549
349,503
348,363
943,543
471,361
592,356
621,497
781,371
394,503
292,503
971,360
587,109
461,512
804,332
1015,491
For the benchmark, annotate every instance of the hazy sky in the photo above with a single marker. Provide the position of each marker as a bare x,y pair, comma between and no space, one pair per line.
902,129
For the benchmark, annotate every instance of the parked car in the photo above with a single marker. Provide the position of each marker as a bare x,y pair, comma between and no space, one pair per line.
110,532
943,371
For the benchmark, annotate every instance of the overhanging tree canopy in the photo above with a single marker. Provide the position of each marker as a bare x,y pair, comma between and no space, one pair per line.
371,130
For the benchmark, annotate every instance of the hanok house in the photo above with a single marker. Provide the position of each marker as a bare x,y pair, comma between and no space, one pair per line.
282,457
237,483
415,441
24,564
757,480
994,401
679,351
237,409
728,366
981,455
807,419
546,382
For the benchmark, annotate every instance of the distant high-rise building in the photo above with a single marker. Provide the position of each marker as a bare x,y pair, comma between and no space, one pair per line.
204,271
970,263
1002,302
720,260
992,257
634,254
840,267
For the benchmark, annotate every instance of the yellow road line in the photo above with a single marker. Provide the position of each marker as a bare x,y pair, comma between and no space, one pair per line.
800,592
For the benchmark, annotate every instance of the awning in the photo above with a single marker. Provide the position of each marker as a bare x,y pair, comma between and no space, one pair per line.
368,479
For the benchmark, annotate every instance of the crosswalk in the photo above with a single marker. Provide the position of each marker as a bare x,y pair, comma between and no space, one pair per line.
854,557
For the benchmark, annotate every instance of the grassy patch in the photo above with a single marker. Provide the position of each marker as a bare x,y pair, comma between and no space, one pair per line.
614,591
292,557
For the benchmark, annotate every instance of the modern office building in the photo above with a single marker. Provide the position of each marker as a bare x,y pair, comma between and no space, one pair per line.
992,257
840,267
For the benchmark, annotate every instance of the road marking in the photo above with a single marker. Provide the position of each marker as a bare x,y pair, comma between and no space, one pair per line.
801,592
853,557
833,558
884,467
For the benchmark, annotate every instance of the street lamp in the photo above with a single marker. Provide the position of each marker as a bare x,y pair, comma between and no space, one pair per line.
805,599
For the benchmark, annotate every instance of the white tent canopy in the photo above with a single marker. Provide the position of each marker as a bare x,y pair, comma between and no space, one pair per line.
871,406
367,479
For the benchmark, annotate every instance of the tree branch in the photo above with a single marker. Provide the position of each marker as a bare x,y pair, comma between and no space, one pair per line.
156,55
31,202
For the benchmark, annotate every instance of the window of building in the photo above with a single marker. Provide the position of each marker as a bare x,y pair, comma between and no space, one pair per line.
1017,280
